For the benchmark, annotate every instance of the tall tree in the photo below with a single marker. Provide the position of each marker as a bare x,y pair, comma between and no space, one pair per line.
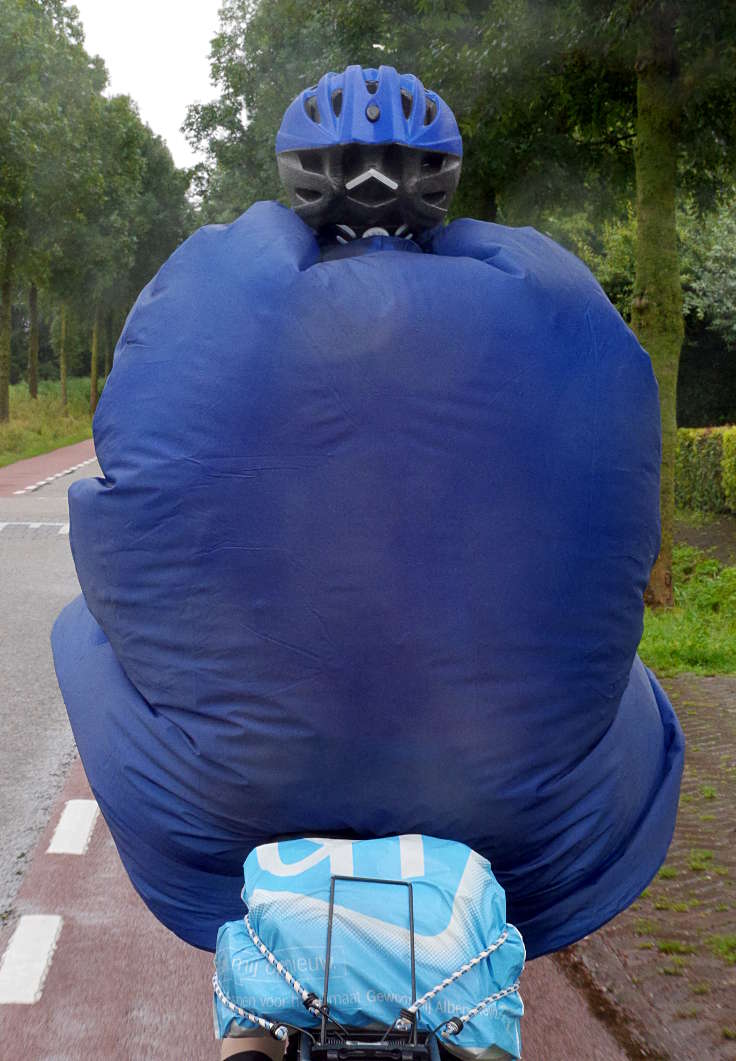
23,36
163,215
90,200
33,341
656,309
40,57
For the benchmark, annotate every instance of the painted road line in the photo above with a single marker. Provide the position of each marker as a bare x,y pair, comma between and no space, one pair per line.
36,525
72,834
44,482
28,958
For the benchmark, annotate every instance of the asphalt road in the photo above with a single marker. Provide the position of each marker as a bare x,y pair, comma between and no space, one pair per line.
37,579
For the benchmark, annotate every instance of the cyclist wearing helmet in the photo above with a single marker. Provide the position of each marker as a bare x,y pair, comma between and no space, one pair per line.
380,570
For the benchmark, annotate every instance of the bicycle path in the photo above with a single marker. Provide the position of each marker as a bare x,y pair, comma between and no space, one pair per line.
27,476
110,982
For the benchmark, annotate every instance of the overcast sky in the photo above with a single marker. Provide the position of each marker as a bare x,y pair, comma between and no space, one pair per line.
157,52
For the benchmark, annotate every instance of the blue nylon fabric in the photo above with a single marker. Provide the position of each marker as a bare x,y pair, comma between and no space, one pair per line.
368,558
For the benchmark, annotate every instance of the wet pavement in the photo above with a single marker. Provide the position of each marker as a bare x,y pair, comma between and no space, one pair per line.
37,578
669,962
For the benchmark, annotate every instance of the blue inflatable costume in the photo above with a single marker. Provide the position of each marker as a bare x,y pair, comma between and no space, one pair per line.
367,558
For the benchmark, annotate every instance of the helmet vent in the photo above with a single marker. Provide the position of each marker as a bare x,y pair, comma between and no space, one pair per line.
407,102
337,101
431,111
310,106
372,86
432,162
311,161
309,195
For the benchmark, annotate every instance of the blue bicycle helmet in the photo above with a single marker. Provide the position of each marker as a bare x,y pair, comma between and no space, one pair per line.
369,150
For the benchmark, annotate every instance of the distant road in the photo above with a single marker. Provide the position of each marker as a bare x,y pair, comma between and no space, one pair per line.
37,579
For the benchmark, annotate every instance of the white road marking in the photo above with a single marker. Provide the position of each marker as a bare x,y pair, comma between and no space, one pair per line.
36,525
43,482
74,830
28,958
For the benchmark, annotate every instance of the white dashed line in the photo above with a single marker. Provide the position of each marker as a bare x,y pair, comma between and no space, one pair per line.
28,957
73,833
63,528
43,482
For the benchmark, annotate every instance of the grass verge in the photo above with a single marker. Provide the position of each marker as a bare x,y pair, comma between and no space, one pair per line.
42,424
698,635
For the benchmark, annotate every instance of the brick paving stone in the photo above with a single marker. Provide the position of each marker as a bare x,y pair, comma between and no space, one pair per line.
669,961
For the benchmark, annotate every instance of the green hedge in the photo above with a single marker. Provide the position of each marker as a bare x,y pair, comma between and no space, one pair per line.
705,469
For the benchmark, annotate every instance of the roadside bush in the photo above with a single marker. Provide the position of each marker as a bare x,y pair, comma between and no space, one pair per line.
728,467
705,469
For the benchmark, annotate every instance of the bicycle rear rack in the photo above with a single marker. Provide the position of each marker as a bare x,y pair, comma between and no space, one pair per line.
336,1043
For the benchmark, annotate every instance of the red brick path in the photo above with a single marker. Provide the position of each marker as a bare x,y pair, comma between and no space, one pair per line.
670,960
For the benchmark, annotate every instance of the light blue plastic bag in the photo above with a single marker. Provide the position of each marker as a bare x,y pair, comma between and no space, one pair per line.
459,911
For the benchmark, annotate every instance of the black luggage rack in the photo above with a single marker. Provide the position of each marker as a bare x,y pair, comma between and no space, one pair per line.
401,1041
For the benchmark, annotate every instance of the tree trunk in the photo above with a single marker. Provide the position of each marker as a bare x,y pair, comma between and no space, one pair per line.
33,342
93,395
62,354
657,304
6,289
108,343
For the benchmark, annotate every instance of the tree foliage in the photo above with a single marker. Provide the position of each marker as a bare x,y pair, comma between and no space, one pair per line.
90,200
711,273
